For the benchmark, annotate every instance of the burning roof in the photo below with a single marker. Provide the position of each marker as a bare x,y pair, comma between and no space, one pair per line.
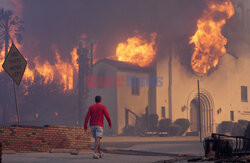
209,43
137,50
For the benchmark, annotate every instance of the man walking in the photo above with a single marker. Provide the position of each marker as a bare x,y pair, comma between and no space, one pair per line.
95,113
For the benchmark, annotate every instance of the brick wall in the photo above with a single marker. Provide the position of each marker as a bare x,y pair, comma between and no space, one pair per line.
42,139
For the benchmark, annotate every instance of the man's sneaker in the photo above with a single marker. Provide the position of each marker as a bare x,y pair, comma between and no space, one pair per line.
101,155
95,156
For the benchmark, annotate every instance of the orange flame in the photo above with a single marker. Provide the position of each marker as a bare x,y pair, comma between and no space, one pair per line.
208,41
29,75
36,115
74,59
45,70
137,50
62,71
2,57
56,114
65,71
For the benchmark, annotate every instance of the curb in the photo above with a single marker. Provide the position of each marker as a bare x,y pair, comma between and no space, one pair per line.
8,152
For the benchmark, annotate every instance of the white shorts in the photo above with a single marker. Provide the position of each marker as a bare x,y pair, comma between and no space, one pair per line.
97,131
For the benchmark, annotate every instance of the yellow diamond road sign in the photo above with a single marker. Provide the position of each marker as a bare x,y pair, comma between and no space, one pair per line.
15,64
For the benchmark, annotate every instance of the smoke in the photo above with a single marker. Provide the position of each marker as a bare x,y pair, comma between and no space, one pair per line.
62,22
6,4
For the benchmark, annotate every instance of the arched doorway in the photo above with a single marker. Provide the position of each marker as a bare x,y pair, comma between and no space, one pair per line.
194,115
206,113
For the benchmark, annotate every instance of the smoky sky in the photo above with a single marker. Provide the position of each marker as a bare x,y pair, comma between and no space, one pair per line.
107,22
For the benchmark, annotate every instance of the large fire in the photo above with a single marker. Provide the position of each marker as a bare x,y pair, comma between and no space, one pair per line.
61,71
2,54
208,41
137,50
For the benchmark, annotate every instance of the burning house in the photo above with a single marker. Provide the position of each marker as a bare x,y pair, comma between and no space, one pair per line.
223,95
217,60
112,80
222,74
215,53
127,87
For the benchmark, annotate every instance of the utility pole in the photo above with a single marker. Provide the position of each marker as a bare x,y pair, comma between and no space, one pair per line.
6,44
170,82
199,103
85,61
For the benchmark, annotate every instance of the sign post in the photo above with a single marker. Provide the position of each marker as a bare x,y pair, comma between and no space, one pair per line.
17,108
15,65
199,103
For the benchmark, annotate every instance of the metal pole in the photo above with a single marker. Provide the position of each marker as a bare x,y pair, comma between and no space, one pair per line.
199,103
147,119
170,83
17,109
126,118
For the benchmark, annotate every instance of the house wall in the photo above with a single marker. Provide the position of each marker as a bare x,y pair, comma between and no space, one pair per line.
239,77
125,99
109,95
152,95
185,87
223,85
162,95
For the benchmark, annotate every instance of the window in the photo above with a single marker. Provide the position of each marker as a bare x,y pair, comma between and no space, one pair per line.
232,115
163,115
100,78
135,86
243,93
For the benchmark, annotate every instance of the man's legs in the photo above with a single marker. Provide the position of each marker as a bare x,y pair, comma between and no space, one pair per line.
99,147
97,144
97,132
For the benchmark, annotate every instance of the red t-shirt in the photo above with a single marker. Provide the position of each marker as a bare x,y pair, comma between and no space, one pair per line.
95,113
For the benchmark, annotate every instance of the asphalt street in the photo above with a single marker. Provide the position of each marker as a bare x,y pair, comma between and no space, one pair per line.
122,149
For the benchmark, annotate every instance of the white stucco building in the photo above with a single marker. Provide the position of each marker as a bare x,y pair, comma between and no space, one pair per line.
118,93
223,91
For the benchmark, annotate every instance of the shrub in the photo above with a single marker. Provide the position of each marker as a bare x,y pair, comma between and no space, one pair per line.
246,143
238,130
247,131
152,122
164,124
174,130
184,123
193,133
140,125
225,126
130,131
243,123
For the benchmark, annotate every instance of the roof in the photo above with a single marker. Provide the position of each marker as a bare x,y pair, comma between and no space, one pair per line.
121,65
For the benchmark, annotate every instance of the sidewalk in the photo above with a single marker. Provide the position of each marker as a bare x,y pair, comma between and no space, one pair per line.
170,145
121,149
82,157
148,139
